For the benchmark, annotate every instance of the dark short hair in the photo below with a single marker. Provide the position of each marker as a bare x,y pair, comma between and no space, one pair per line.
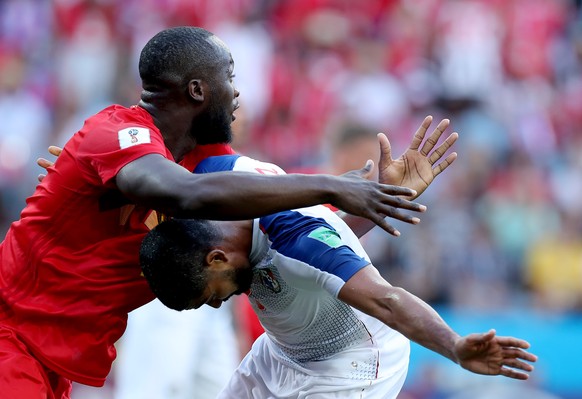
176,55
172,259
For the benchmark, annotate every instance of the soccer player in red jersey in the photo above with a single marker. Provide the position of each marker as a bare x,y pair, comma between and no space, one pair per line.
69,271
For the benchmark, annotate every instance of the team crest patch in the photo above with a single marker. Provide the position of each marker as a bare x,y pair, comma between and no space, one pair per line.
133,136
269,280
327,236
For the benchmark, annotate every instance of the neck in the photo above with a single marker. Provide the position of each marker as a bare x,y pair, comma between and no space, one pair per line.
238,234
173,123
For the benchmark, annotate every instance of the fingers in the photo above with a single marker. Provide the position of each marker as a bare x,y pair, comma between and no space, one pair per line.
513,354
368,169
386,226
40,178
434,137
395,214
518,364
54,150
44,163
480,338
514,360
515,374
392,207
385,152
443,148
392,191
419,134
437,170
513,342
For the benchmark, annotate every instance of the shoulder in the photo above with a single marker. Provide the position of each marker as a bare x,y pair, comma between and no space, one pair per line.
218,163
246,164
237,163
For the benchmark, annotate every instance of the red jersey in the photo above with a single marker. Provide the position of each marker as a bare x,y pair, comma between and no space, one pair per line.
69,270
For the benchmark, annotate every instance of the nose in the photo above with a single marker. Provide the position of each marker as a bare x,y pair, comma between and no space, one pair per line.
236,93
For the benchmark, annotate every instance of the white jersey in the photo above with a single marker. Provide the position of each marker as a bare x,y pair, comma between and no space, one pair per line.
301,259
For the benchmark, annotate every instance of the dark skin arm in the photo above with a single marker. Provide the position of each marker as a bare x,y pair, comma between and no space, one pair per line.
225,195
484,353
158,183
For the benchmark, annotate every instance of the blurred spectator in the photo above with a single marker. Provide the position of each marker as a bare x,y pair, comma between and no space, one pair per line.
553,267
176,355
501,222
23,134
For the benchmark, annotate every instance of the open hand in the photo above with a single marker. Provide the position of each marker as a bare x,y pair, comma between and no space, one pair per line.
416,168
376,201
489,354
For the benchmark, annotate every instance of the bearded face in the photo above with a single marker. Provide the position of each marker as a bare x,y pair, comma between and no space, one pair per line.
213,126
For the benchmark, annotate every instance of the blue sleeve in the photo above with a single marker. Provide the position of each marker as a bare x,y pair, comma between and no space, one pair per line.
313,241
220,163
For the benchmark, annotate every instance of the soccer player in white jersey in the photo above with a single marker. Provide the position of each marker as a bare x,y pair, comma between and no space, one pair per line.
333,326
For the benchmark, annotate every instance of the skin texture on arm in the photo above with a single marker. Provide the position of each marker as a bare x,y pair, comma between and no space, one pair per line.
155,182
160,184
484,353
416,169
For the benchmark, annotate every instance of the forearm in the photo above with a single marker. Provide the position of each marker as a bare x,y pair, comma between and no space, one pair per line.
239,195
223,195
157,183
417,321
400,310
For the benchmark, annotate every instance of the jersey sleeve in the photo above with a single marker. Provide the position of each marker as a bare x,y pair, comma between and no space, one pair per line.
324,257
104,151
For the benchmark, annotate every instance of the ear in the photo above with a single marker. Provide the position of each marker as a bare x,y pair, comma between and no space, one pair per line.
196,90
216,258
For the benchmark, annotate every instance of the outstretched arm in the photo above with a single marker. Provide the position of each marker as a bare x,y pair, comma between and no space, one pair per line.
415,169
484,353
160,184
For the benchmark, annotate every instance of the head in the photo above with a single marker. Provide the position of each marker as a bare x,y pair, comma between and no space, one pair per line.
188,263
351,146
191,69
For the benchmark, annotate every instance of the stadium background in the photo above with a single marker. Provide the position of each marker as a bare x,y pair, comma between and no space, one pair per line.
501,245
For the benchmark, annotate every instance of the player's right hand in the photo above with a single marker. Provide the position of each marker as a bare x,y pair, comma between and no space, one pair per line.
490,354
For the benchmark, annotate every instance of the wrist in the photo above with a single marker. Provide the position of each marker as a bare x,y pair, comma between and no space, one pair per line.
329,189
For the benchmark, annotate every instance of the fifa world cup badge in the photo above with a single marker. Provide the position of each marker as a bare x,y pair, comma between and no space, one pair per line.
269,280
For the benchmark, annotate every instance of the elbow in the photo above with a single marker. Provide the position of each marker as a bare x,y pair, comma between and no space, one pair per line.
164,195
387,307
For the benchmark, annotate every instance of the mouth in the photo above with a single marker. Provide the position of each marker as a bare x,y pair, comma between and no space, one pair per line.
236,106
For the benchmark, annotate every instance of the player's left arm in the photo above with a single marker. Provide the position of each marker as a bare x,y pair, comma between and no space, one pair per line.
414,169
484,353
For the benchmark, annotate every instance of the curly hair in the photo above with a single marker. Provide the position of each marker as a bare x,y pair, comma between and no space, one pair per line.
176,55
172,260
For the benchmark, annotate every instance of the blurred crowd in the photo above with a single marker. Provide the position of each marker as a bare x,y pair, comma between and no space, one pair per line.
504,226
318,79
